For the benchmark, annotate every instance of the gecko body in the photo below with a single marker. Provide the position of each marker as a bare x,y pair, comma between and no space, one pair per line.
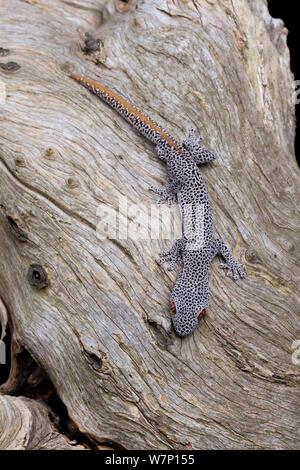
197,247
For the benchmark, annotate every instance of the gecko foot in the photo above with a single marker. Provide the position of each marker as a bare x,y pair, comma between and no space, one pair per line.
165,256
234,269
192,141
166,195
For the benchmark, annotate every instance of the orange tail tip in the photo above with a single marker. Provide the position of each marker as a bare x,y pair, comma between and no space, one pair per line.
76,76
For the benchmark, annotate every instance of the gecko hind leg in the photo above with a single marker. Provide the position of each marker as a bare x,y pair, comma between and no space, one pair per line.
192,140
167,193
199,153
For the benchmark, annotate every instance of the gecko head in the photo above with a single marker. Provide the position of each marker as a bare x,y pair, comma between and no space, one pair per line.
185,320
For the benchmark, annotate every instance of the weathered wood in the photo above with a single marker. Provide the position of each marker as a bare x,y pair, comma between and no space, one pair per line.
25,425
101,330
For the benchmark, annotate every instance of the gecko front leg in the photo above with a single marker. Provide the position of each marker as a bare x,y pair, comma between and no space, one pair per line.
172,255
234,268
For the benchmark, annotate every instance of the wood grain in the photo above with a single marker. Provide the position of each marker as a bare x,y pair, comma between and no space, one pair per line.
101,330
25,425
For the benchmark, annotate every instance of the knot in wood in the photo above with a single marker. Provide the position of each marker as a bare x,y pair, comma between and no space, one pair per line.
16,230
37,276
10,66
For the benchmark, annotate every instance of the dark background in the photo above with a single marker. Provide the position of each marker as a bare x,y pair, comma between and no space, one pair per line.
288,12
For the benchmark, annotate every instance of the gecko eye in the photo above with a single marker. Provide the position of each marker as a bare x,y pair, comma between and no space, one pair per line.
173,308
201,314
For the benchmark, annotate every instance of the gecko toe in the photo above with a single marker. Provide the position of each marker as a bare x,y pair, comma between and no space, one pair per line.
242,271
162,254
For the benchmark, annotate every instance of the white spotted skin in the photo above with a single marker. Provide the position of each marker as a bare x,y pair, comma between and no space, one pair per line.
196,252
191,291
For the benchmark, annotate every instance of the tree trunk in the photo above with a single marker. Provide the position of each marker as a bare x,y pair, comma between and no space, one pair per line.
25,425
93,315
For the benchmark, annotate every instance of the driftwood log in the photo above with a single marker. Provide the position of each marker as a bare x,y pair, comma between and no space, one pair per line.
91,316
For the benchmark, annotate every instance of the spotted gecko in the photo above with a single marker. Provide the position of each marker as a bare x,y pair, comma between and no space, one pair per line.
197,247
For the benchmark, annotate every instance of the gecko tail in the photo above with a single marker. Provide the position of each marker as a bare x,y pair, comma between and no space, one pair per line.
84,81
77,77
145,125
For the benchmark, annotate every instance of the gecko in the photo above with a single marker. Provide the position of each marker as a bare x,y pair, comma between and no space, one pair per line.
197,247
